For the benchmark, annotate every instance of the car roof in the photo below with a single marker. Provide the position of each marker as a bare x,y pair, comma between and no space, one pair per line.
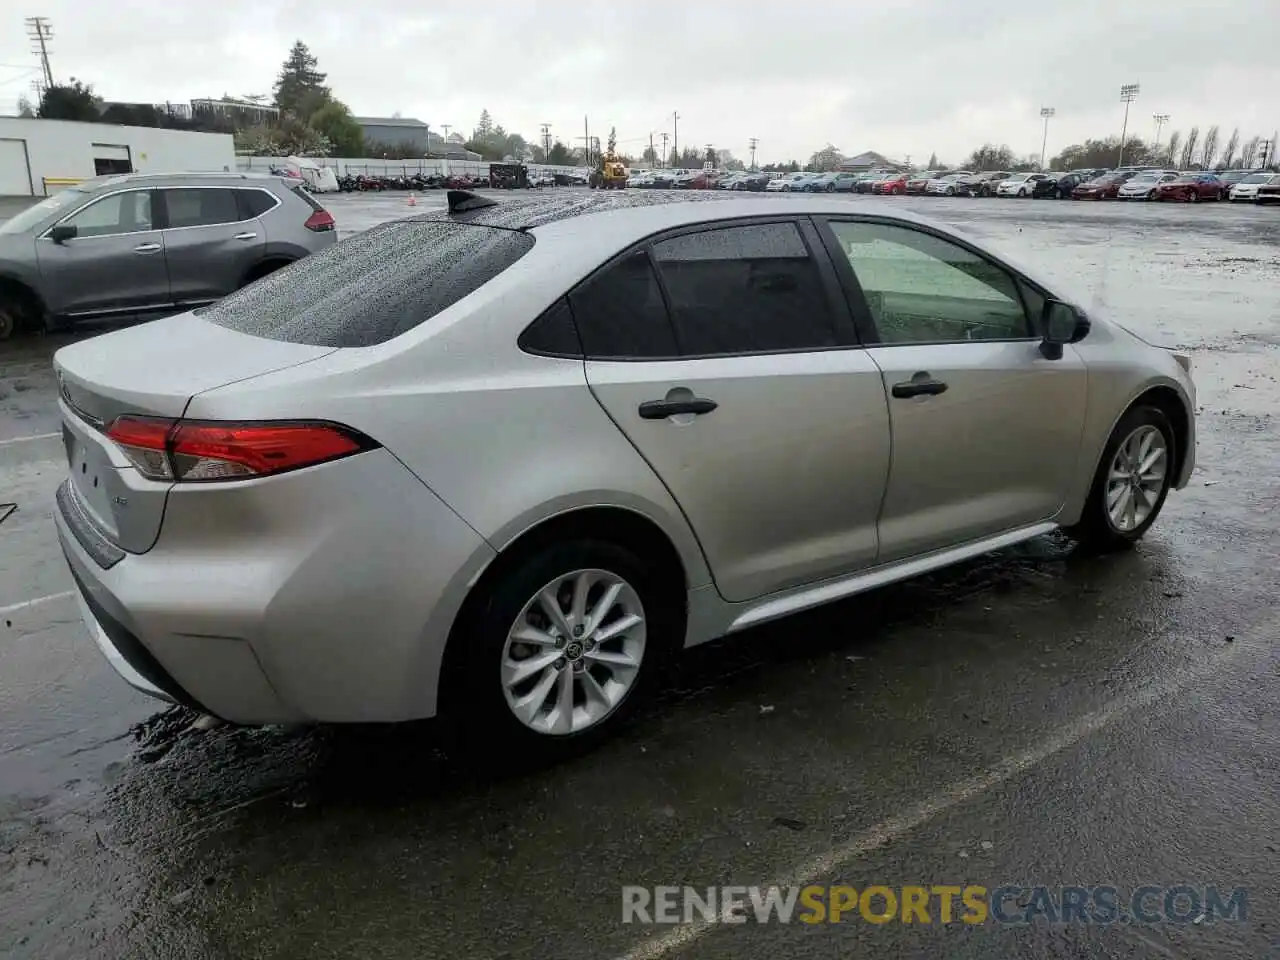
157,179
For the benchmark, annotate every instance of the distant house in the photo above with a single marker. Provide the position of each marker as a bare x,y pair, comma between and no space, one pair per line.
869,161
414,135
396,131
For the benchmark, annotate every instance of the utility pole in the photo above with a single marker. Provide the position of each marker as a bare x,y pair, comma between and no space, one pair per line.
1128,93
1161,119
1266,146
40,31
754,142
546,141
586,139
445,127
652,155
665,138
675,133
1045,112
710,152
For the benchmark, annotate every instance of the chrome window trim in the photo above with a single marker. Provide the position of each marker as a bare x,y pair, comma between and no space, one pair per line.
154,229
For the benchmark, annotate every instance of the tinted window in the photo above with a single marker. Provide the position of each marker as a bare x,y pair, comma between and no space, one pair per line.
254,203
128,212
744,289
620,314
201,208
553,333
373,286
923,289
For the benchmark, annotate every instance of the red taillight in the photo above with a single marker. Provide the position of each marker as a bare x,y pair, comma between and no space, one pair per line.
320,221
191,450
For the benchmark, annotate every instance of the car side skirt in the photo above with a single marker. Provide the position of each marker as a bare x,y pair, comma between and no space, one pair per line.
710,617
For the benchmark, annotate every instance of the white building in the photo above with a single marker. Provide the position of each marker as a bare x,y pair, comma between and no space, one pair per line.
38,157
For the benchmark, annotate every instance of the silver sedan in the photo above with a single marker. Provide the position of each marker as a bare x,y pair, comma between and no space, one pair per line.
503,462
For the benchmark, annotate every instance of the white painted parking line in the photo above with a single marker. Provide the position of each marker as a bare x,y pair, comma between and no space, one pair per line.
34,436
826,864
27,604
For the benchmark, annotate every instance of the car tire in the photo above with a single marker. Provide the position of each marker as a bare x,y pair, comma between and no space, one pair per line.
479,708
1098,529
1022,194
1193,196
18,315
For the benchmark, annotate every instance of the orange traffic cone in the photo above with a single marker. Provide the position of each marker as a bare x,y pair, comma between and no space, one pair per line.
412,201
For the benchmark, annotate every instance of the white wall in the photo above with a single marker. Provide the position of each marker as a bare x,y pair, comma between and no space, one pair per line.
64,148
371,166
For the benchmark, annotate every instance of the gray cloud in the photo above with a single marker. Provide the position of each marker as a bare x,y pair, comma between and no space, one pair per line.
902,78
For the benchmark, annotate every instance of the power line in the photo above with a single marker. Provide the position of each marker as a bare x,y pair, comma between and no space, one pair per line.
41,32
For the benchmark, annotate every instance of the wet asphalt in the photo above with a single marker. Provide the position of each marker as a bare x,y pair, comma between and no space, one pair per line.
1036,717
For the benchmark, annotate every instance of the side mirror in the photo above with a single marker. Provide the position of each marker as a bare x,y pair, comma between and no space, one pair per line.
1061,323
62,233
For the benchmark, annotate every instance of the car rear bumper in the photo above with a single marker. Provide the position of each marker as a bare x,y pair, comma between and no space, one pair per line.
326,595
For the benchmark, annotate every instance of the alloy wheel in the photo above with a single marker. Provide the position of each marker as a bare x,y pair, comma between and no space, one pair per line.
8,324
574,652
1136,478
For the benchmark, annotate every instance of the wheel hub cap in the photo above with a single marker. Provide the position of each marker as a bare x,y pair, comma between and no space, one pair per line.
1136,478
574,652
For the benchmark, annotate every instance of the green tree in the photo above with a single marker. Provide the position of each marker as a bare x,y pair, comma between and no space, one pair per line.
300,88
933,161
559,155
990,157
649,156
24,107
828,158
73,101
485,126
710,156
334,121
613,141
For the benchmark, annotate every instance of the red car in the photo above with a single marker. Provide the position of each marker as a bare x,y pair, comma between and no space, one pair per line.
895,185
1105,187
1192,188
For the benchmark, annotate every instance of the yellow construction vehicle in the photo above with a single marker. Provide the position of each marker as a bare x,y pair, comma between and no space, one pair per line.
610,172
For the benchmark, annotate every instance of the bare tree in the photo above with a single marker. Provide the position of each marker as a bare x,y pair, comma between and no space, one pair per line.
1170,155
1229,151
1271,159
1210,151
1249,152
1189,149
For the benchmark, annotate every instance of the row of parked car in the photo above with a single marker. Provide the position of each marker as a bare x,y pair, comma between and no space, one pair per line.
1097,183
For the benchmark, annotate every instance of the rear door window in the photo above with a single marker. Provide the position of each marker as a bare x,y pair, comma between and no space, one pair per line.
620,313
745,289
201,207
373,286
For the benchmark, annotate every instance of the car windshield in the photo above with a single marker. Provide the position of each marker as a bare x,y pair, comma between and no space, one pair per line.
1257,178
1020,177
1145,178
47,207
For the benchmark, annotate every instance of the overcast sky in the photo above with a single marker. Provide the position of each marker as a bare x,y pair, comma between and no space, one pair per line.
904,78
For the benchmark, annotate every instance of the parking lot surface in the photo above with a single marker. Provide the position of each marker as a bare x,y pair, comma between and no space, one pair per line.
1034,717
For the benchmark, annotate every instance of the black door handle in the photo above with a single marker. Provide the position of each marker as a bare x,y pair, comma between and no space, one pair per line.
920,385
661,409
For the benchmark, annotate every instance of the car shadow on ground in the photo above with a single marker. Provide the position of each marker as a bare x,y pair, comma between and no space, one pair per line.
387,765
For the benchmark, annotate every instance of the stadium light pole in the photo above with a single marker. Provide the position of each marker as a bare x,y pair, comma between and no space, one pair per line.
1128,93
1045,112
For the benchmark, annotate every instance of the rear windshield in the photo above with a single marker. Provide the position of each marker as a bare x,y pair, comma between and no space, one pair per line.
373,286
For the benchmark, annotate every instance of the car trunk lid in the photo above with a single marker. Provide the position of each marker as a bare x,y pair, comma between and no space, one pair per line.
151,369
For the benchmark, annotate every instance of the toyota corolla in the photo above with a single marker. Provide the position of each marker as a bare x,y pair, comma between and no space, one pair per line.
502,462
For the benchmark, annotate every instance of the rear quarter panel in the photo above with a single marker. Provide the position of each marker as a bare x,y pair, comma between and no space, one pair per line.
505,438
